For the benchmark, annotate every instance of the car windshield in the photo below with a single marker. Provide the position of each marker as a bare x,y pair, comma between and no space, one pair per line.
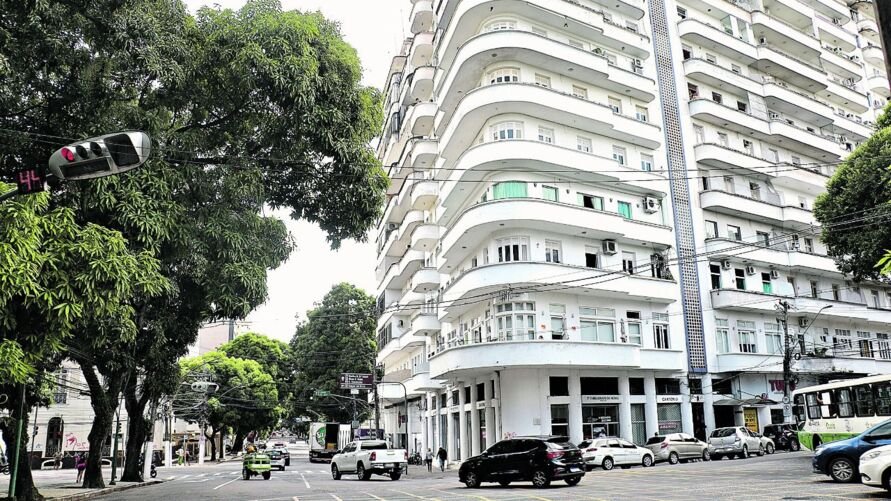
655,440
584,444
369,446
724,432
560,446
274,454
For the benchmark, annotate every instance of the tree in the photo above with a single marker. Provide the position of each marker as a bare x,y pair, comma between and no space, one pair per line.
338,336
854,209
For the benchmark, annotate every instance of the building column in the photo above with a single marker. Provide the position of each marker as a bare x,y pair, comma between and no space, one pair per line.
491,434
474,421
686,410
499,432
708,404
575,408
437,425
650,411
462,422
451,448
625,409
428,427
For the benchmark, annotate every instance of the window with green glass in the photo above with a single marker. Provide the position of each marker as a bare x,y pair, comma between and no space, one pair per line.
509,189
549,193
625,210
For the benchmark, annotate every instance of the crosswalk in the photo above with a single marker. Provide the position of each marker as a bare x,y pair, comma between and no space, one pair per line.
204,477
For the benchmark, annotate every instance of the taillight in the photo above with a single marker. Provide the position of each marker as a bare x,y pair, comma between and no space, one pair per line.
406,455
555,454
373,456
664,445
591,449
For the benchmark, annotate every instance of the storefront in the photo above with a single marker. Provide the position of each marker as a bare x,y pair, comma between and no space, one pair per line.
600,416
668,410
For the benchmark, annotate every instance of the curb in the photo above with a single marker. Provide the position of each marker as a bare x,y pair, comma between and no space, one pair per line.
101,492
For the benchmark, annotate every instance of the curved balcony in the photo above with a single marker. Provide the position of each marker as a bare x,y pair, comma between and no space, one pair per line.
400,236
398,273
722,157
795,13
801,140
421,16
792,38
844,65
869,29
725,116
420,119
798,105
423,153
799,72
421,87
833,9
477,223
424,194
874,55
717,40
426,323
863,7
845,94
758,210
487,50
421,52
777,256
480,105
487,356
758,302
721,77
834,34
879,85
425,236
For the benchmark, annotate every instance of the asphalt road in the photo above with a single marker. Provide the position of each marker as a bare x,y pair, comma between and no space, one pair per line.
782,476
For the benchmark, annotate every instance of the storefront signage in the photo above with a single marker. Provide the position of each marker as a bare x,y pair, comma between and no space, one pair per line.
601,399
751,418
481,405
668,399
669,425
453,408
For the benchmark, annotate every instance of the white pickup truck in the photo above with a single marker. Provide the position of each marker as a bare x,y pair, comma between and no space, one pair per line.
367,457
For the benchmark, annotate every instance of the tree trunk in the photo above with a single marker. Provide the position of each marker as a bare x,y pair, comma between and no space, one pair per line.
237,442
223,443
25,490
213,445
137,432
103,402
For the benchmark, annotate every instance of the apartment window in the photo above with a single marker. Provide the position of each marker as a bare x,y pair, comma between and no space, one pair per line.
740,276
542,80
590,256
743,107
504,75
597,324
815,291
539,31
865,344
558,321
682,13
515,321
501,24
661,339
835,292
634,327
722,139
802,203
619,155
559,386
755,190
590,201
729,185
553,251
736,69
687,52
693,91
796,160
546,135
583,144
876,302
506,130
549,193
809,245
706,182
60,392
774,338
711,229
718,98
773,155
749,147
746,332
641,114
722,335
734,232
711,58
791,282
560,419
624,209
699,133
646,163
576,44
628,262
715,274
615,104
842,343
766,284
579,92
509,189
763,238
512,249
883,346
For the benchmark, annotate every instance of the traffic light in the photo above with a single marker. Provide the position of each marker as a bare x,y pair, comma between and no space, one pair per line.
101,156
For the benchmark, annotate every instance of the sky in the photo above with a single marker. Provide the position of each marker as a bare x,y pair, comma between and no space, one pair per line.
376,29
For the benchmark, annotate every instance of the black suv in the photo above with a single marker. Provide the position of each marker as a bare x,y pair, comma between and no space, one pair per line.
539,459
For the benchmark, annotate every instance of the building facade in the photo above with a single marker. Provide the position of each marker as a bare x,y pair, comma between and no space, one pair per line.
595,207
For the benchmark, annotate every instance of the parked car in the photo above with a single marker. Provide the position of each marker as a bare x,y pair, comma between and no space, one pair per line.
875,467
369,457
286,454
766,442
276,459
784,436
612,451
734,441
677,447
537,459
841,459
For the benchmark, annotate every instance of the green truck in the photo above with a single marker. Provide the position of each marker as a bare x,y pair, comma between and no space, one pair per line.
256,464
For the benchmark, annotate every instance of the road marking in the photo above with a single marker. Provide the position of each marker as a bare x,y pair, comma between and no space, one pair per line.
304,481
226,483
324,472
294,498
408,494
468,495
184,477
217,474
336,498
195,481
171,478
375,497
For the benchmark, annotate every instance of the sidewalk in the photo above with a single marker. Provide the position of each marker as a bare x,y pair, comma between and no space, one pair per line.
59,485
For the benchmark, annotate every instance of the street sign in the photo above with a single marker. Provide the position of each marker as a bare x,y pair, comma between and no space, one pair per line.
353,381
322,393
30,181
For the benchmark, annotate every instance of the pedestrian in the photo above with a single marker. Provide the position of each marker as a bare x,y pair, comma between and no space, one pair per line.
428,458
442,455
188,458
180,456
57,460
80,464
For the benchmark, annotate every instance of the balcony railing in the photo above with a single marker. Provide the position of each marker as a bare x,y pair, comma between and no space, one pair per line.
794,58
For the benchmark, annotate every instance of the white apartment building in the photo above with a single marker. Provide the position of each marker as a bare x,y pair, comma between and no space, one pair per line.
576,186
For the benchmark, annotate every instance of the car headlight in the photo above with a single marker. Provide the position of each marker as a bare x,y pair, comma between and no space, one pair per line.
869,456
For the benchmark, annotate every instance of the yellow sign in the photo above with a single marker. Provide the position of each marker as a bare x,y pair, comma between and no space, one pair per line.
751,418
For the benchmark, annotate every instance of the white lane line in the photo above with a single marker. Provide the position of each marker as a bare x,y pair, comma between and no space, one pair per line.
304,480
184,477
408,494
226,483
217,474
196,481
336,498
323,472
171,478
294,498
375,497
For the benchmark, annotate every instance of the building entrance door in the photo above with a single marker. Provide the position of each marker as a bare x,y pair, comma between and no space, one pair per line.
600,421
699,421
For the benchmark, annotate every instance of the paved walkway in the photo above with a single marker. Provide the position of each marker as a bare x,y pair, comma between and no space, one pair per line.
61,485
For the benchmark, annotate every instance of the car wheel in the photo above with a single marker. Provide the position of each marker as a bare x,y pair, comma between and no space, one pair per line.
573,480
607,464
717,457
335,472
770,449
471,480
395,476
647,461
760,450
540,479
360,472
745,452
266,475
245,474
673,458
794,446
706,456
504,483
841,470
288,462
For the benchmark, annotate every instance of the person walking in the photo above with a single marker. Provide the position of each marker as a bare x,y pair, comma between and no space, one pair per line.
188,458
428,459
442,455
80,464
57,460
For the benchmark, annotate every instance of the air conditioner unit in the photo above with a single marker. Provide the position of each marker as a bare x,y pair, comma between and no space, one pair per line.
725,264
750,270
774,274
773,115
762,40
794,246
609,247
802,322
638,63
843,139
651,205
836,20
598,50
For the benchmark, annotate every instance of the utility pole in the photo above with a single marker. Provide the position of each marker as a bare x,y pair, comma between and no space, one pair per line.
782,308
14,467
377,411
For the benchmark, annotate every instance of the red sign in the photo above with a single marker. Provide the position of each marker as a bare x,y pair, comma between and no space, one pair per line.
29,181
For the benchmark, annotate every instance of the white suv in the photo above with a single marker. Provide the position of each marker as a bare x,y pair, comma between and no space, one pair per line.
734,441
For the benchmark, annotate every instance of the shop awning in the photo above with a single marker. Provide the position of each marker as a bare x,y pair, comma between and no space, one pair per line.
748,402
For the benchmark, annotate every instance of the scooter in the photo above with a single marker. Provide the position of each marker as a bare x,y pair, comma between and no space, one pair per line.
788,440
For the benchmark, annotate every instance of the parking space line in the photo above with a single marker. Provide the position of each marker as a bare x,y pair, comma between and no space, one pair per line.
336,498
226,483
304,481
481,498
408,494
375,497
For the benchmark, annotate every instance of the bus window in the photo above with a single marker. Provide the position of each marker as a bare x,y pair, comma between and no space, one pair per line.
845,406
882,396
798,408
827,405
863,401
813,406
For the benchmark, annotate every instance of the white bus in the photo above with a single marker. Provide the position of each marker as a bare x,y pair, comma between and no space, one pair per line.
840,410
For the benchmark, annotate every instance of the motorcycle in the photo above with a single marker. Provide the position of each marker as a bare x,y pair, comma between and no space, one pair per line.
153,472
415,459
